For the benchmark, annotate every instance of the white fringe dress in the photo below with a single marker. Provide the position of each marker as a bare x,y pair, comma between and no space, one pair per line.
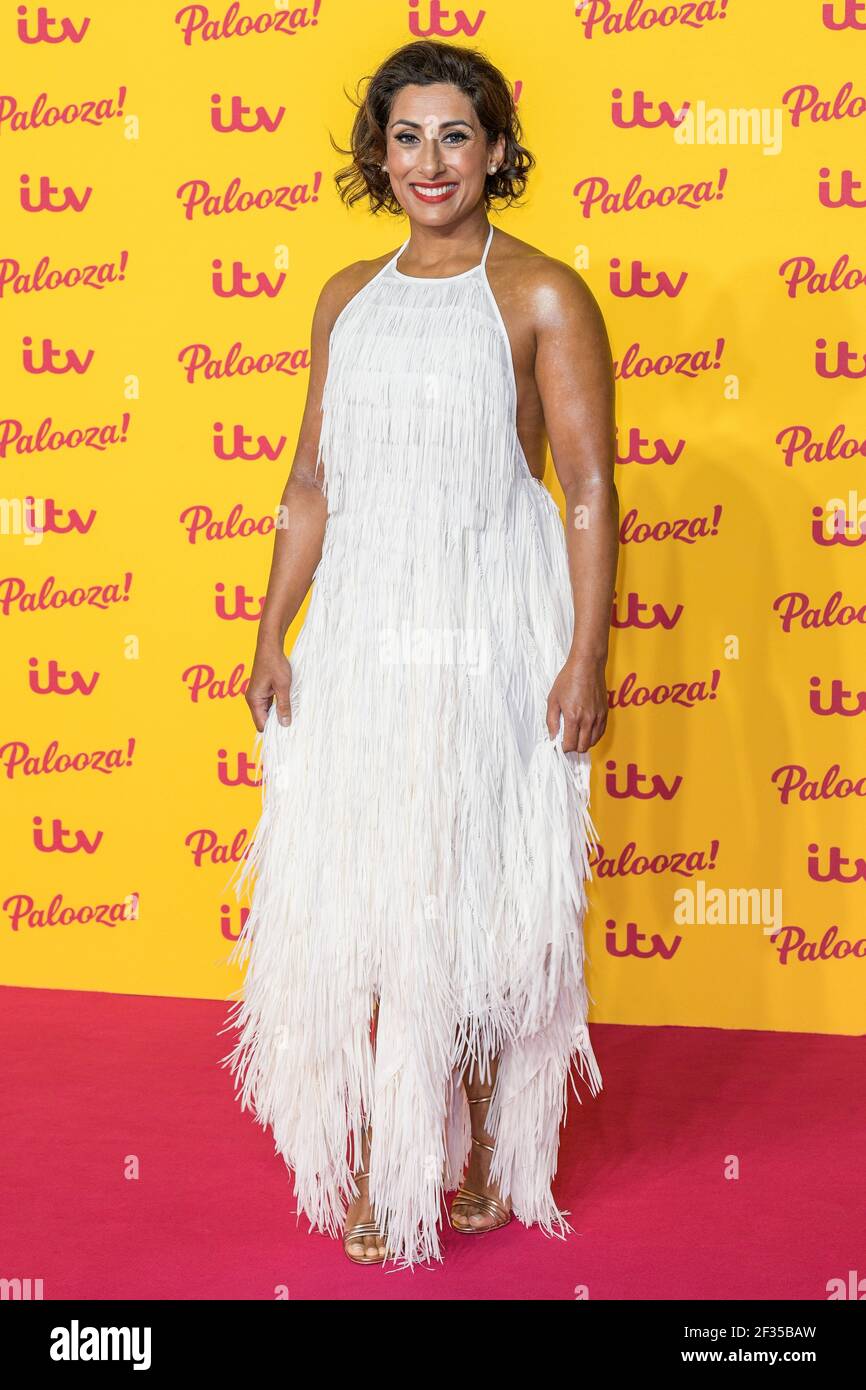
423,842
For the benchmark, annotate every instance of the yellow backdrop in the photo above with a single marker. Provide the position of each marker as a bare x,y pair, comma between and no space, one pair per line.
703,167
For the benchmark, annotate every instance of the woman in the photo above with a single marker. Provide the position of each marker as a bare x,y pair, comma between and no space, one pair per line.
414,997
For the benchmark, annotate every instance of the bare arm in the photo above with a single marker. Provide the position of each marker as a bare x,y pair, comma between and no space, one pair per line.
574,375
299,537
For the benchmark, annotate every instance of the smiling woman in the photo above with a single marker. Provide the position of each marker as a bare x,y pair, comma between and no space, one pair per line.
482,110
415,1000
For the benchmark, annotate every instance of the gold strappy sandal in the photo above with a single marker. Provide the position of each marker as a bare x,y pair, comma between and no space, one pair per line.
363,1228
468,1203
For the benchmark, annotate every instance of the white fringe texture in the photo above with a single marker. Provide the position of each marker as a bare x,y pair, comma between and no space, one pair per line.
423,843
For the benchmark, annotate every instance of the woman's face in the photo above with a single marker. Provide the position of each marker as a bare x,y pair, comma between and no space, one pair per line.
437,155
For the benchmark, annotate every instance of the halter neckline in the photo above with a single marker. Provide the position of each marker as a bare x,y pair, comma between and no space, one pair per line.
439,279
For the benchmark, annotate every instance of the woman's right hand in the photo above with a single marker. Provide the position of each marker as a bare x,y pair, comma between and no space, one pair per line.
270,680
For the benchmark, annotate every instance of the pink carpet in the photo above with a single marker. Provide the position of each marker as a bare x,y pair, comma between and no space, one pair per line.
92,1079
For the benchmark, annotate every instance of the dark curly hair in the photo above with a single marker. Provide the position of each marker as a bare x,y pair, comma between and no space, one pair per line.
423,63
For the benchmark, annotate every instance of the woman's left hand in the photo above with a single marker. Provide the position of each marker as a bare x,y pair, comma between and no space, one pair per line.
579,693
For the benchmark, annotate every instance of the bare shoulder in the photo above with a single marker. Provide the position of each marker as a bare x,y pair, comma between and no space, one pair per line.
343,285
552,291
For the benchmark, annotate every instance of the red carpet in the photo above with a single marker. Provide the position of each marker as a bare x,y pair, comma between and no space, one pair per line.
92,1079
